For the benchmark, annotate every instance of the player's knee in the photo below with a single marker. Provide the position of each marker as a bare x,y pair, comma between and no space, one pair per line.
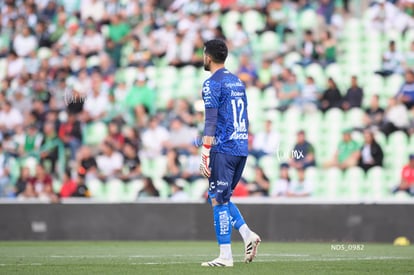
215,202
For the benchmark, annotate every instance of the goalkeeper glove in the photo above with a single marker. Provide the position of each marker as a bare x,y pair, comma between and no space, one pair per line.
205,160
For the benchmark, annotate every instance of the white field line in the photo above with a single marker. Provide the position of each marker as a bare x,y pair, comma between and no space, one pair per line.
292,258
155,256
337,259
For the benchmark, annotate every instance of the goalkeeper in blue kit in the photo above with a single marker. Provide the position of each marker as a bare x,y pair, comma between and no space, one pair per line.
224,150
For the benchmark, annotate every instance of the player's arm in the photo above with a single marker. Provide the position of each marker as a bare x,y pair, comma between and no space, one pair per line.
208,140
211,94
210,125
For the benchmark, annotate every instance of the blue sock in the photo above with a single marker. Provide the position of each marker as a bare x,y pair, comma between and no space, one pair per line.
222,223
237,219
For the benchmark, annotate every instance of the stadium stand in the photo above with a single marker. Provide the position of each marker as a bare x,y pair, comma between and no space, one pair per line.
67,65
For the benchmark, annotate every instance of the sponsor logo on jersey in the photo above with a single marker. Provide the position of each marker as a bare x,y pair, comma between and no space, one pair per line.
212,186
236,93
206,88
222,183
234,84
237,135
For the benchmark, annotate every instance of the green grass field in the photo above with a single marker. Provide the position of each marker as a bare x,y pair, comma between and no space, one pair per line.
185,257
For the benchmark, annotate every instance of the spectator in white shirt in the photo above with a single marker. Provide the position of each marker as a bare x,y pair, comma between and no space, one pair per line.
391,61
189,25
381,15
92,42
177,191
180,51
10,117
395,118
181,137
94,9
96,104
15,65
191,167
110,162
113,7
161,39
70,40
8,12
153,140
31,15
265,142
309,96
301,187
285,187
280,187
239,41
24,43
120,92
384,16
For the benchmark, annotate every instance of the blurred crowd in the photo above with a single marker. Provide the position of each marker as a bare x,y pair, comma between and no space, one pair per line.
61,72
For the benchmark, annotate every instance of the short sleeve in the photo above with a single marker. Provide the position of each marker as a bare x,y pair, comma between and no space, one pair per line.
211,94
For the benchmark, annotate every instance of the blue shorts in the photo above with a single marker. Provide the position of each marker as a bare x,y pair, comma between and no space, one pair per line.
226,171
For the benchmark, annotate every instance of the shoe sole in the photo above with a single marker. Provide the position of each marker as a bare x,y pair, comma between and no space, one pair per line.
256,243
215,264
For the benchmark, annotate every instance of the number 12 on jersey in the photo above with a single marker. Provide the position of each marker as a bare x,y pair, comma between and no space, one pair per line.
238,110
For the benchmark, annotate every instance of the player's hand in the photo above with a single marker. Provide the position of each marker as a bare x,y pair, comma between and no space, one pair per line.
205,160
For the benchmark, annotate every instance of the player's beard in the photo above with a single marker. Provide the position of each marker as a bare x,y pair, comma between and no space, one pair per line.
207,66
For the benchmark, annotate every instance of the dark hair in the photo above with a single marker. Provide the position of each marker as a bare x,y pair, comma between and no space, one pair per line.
150,186
308,32
109,144
333,82
284,165
217,50
260,169
129,143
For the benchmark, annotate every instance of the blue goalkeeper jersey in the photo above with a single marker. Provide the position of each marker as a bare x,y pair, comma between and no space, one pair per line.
225,91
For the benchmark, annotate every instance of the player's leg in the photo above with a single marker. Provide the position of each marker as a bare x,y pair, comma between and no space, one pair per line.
238,222
251,239
219,195
237,218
